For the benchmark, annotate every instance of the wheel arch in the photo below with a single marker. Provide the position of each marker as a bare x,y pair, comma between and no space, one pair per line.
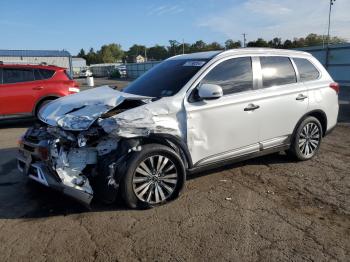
41,100
173,142
320,115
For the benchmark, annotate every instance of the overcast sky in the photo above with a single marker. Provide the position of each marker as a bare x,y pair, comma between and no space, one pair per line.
71,25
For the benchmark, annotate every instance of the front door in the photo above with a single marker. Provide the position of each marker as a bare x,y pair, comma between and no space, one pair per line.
228,126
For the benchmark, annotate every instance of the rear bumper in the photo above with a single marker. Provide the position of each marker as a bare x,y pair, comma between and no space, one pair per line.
30,164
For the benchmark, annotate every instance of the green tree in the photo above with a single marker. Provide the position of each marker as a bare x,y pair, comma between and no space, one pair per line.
275,43
81,53
214,46
110,53
258,43
230,44
198,46
136,50
173,48
157,52
92,57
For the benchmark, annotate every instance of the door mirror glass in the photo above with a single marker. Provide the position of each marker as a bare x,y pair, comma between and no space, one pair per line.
209,91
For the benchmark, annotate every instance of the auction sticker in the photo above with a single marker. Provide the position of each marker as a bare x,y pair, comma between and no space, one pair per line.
194,63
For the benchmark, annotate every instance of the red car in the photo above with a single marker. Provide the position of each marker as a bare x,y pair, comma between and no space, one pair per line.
24,89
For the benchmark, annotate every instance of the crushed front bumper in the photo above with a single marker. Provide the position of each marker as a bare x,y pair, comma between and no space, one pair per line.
30,162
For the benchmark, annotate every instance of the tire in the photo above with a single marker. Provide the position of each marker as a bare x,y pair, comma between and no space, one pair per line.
41,105
144,186
307,139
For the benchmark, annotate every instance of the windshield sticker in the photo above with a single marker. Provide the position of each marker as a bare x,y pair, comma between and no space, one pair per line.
194,63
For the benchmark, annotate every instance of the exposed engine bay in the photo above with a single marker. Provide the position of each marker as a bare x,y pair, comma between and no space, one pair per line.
83,141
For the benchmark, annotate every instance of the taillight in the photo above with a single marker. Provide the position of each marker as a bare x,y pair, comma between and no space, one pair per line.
335,86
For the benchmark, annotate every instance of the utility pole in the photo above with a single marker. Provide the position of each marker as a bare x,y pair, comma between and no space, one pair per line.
145,54
244,39
183,46
331,2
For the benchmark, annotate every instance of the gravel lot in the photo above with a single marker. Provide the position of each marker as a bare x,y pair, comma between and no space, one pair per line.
266,209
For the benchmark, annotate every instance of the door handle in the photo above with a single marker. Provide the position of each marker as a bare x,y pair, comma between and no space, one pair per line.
38,88
301,97
251,107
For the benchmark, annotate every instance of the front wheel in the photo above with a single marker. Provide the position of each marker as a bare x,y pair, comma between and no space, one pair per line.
307,139
155,175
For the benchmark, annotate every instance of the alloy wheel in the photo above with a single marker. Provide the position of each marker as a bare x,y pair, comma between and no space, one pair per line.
155,179
309,139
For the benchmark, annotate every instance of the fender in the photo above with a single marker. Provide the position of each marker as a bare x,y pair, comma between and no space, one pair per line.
171,140
320,115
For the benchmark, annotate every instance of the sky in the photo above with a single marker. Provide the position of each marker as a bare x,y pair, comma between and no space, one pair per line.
72,25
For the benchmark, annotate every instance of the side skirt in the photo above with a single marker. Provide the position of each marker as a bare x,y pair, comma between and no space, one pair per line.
237,159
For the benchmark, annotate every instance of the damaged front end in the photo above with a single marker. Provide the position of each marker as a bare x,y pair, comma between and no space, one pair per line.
83,143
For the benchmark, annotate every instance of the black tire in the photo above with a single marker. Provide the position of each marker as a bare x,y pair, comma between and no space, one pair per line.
41,105
306,131
128,184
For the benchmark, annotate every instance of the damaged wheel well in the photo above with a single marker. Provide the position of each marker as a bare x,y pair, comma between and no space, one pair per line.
173,142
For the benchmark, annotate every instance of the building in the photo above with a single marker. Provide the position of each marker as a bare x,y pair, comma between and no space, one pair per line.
135,59
50,57
78,64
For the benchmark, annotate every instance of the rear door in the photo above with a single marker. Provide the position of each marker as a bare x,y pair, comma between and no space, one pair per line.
17,91
283,100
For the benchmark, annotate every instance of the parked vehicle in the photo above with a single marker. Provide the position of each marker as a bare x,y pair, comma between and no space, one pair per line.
85,73
122,71
24,89
189,113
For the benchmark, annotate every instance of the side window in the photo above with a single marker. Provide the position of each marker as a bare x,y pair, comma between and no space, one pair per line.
37,74
46,73
277,70
14,75
307,70
233,75
0,76
42,74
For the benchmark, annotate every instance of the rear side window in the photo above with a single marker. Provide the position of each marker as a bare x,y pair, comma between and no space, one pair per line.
42,74
307,70
233,75
16,75
68,75
277,70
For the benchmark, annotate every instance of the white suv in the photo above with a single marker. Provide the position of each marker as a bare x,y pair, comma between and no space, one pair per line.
189,113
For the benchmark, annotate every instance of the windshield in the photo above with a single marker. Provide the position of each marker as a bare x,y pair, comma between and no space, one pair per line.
165,79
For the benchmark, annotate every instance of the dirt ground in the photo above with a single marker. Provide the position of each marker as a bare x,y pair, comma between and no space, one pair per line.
265,209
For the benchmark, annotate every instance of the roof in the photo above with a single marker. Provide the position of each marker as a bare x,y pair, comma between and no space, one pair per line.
53,67
248,51
35,53
198,55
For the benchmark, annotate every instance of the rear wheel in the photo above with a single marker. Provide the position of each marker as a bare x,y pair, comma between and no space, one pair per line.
155,176
307,139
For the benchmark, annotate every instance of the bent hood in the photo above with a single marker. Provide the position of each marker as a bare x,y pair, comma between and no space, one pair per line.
79,111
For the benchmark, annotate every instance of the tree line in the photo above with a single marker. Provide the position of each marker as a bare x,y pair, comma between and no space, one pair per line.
112,53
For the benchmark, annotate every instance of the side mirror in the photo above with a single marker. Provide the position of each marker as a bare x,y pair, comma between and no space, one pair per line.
210,91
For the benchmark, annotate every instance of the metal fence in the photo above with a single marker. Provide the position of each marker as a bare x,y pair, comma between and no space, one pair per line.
336,60
135,70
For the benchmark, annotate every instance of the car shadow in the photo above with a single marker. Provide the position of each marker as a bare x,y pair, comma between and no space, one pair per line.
22,198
